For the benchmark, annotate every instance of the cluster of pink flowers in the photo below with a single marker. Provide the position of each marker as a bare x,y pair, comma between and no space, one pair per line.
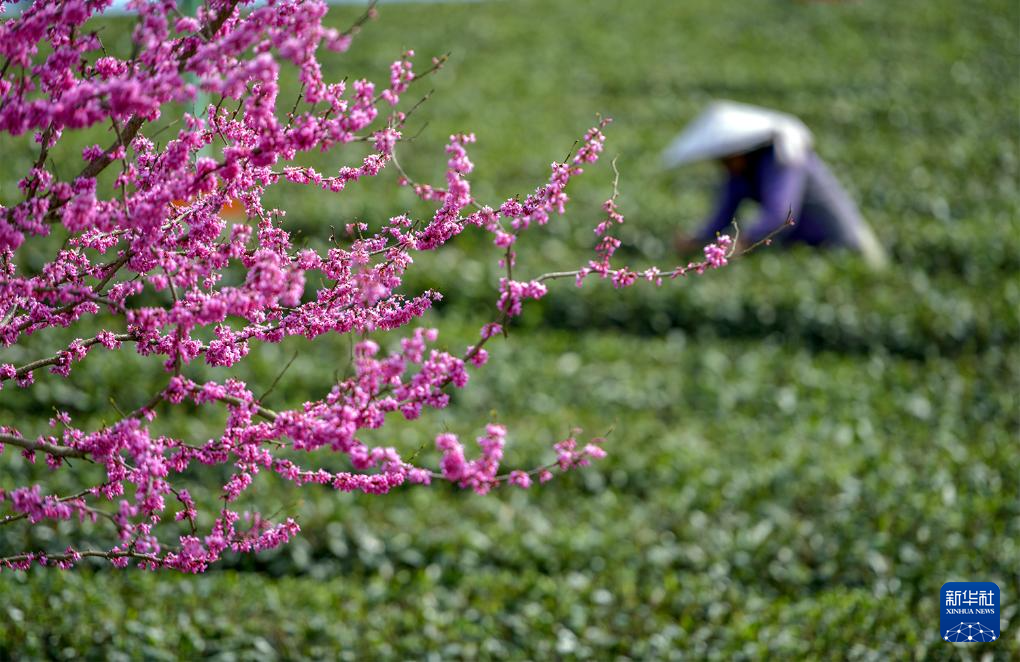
158,230
717,254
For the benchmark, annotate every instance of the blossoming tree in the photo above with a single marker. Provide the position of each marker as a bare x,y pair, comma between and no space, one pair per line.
138,258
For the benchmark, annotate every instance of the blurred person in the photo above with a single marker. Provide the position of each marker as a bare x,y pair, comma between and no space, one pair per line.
768,158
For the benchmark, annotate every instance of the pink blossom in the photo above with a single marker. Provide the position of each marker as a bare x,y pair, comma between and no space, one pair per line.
520,478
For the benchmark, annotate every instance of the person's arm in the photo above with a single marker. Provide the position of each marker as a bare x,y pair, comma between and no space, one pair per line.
726,207
782,193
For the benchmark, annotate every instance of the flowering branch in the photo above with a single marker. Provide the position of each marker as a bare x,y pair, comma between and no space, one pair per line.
152,257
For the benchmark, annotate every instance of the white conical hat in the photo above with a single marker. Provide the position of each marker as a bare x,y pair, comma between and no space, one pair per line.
727,128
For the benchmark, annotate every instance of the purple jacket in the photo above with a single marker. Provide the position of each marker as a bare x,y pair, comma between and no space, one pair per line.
823,213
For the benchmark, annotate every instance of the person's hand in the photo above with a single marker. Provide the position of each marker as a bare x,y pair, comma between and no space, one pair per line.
685,244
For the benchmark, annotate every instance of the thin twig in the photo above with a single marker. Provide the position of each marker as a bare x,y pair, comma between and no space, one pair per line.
56,358
33,445
277,380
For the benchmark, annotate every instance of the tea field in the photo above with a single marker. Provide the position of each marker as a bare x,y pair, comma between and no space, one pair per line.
802,451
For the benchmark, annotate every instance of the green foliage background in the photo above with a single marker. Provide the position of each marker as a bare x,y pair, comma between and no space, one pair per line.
802,452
